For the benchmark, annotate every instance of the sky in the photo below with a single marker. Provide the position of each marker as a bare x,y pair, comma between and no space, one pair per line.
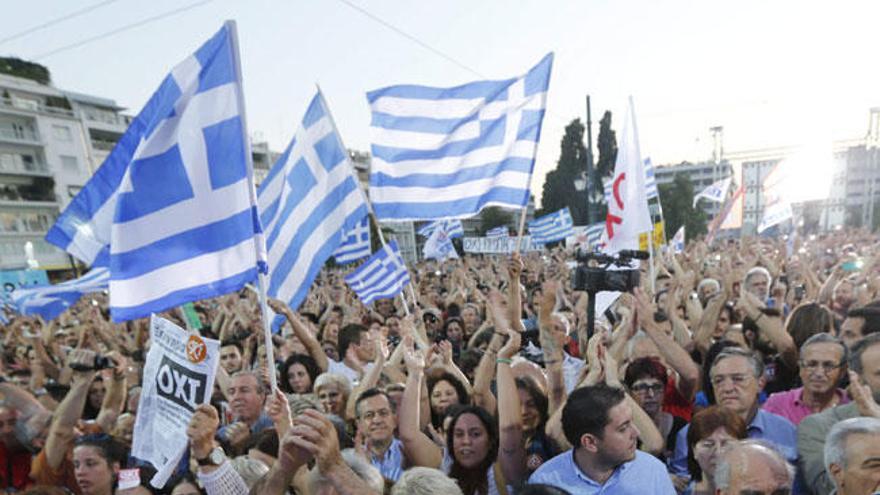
772,73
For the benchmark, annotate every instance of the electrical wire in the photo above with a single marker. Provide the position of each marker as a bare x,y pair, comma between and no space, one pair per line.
411,37
122,29
84,10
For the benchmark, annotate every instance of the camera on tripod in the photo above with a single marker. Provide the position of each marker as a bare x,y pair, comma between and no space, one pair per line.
594,274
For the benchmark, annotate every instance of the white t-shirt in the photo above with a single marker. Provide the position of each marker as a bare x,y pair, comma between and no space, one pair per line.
340,368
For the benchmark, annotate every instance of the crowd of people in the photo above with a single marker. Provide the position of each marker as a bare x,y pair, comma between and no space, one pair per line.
751,366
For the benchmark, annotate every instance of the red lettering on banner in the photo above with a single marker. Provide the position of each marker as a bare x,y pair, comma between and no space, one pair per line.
620,178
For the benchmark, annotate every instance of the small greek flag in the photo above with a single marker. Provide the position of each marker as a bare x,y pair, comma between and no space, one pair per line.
677,243
716,191
594,233
382,276
450,152
452,227
356,244
172,210
498,232
309,200
553,227
49,301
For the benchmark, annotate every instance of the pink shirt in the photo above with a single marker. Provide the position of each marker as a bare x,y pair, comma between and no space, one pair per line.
788,404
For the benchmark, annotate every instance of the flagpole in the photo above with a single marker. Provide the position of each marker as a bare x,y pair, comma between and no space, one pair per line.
370,210
522,224
260,240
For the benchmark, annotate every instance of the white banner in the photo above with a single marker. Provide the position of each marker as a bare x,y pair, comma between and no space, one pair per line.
178,376
499,245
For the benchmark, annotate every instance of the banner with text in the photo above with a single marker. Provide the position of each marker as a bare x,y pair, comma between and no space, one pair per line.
178,376
499,245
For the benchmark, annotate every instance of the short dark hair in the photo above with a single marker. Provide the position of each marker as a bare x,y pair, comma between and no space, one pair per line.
265,441
307,362
645,367
108,448
369,393
348,335
871,314
586,411
855,358
235,342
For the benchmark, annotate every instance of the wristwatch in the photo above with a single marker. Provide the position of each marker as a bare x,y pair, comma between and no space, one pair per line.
214,458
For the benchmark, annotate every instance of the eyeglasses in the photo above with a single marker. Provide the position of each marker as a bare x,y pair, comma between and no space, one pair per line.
381,413
825,366
644,388
737,379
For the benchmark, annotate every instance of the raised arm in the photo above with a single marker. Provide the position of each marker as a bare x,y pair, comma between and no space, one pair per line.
420,450
550,340
302,333
114,399
674,355
514,292
70,410
511,452
771,327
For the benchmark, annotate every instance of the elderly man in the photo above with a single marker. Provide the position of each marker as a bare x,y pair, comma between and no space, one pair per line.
247,394
758,282
823,360
737,377
755,468
852,456
864,375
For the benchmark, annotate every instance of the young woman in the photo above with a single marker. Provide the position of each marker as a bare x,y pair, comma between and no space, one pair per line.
534,406
645,380
298,374
96,461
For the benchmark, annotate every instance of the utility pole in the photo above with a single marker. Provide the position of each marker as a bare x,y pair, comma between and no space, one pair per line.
590,177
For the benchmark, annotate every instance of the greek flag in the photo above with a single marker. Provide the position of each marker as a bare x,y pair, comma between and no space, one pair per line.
553,227
308,201
450,152
716,191
49,301
439,246
677,243
356,244
594,233
452,227
172,210
380,277
650,183
498,232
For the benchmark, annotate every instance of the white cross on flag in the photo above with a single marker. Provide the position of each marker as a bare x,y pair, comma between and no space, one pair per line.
628,214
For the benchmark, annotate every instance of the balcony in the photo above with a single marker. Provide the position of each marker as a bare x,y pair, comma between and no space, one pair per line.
32,106
99,144
20,136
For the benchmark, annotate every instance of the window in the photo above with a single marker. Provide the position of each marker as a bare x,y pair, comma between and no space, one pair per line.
69,164
62,133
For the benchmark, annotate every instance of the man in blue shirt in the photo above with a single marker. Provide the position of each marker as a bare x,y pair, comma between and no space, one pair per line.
737,377
598,422
376,421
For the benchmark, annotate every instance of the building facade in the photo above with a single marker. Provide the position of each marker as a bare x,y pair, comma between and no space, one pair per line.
700,175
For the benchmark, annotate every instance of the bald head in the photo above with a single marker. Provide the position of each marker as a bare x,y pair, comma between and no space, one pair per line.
753,467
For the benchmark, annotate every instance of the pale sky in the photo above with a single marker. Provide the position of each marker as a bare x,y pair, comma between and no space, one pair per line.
770,72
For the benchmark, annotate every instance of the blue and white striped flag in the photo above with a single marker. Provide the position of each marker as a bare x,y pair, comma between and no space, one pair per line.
594,233
382,276
450,152
650,183
553,227
356,244
309,200
172,210
498,232
452,227
49,301
677,242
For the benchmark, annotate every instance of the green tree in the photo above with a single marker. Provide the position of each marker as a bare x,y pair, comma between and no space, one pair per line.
559,190
677,199
606,143
22,68
492,217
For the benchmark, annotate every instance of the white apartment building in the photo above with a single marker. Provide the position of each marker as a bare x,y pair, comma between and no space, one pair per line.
700,175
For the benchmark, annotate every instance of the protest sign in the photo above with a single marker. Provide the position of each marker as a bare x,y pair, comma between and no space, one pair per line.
178,376
499,245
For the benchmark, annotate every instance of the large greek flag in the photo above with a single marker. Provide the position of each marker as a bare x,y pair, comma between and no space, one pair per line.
356,244
450,152
452,227
650,183
553,227
172,210
49,301
382,276
309,200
